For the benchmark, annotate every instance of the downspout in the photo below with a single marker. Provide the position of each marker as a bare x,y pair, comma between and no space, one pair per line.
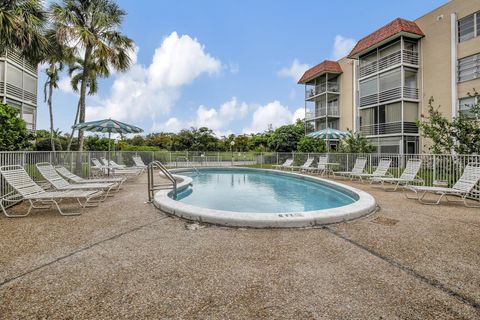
453,62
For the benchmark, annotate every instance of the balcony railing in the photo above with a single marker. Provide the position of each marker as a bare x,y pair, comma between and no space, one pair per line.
333,110
389,95
409,57
321,88
18,93
388,128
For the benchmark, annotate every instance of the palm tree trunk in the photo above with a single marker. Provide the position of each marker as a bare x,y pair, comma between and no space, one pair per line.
50,110
83,93
73,130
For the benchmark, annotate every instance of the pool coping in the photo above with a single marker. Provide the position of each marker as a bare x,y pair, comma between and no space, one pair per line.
364,205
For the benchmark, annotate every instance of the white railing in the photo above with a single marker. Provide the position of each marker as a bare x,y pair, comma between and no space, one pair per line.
389,95
321,88
388,128
393,59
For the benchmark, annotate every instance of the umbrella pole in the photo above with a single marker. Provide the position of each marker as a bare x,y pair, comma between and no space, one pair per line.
109,133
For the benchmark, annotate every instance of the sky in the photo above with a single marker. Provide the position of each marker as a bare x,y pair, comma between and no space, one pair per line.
229,65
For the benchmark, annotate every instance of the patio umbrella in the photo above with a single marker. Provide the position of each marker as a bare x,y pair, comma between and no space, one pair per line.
329,134
107,125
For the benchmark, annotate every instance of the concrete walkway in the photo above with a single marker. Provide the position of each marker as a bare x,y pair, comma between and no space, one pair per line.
127,260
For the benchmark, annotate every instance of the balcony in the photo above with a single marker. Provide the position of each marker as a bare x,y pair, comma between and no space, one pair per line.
393,59
320,89
389,95
389,128
17,93
333,111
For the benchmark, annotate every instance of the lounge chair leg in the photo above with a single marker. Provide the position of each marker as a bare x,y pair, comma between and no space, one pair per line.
63,213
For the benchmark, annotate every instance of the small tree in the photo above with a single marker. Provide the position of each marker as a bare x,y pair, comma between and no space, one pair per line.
285,138
309,144
355,143
13,131
460,135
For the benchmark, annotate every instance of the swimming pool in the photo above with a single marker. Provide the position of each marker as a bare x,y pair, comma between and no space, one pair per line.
259,191
262,198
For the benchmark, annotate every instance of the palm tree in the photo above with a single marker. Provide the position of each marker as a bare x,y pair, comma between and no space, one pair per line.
58,57
51,83
92,27
75,71
22,25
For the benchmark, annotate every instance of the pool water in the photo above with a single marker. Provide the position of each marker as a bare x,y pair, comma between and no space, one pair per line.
243,190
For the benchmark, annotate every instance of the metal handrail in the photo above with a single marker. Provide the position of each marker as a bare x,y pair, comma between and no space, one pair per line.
188,164
151,183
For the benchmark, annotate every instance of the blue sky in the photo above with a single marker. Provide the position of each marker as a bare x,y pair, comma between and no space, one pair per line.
228,65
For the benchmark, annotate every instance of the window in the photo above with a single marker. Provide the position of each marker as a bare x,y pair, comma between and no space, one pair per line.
2,71
464,105
410,112
390,80
469,68
368,87
469,27
30,83
14,76
367,116
28,114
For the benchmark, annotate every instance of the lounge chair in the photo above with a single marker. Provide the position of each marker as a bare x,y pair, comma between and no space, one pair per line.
358,168
288,163
105,170
307,164
59,183
409,175
380,171
462,188
139,162
28,190
64,172
320,168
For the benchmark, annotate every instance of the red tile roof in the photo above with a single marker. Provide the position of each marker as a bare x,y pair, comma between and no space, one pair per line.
324,67
385,32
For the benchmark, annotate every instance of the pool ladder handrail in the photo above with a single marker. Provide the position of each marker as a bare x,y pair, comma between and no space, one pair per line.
188,164
151,183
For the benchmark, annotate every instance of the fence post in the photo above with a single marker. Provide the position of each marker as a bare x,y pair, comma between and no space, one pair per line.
434,168
277,159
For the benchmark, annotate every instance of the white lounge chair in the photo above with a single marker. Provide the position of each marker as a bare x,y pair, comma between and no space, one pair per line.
358,168
288,163
321,166
28,190
64,172
59,183
104,170
138,162
380,171
409,175
462,188
117,166
306,165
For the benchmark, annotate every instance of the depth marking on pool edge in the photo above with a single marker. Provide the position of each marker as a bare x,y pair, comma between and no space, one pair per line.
431,282
58,259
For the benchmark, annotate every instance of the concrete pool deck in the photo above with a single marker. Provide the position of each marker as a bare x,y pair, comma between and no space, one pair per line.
126,259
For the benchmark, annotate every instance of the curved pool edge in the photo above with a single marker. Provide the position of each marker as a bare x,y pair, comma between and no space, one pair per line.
364,205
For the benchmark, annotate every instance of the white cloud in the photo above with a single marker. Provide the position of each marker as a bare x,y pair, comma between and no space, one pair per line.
64,84
171,125
299,114
150,91
342,46
221,118
273,114
218,120
295,71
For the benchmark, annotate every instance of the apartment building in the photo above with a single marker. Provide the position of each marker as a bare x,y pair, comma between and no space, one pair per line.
18,86
384,84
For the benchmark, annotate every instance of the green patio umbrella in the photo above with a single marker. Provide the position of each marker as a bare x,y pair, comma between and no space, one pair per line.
329,134
107,125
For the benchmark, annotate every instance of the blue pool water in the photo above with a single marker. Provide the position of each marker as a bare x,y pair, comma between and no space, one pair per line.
259,191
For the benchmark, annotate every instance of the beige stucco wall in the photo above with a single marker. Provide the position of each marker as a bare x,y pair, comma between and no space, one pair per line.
347,112
435,72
